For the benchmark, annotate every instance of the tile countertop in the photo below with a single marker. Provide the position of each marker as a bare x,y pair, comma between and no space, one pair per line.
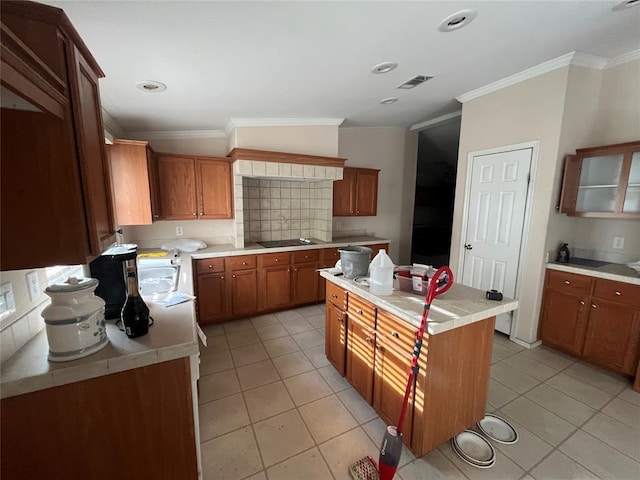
226,250
610,271
460,306
173,335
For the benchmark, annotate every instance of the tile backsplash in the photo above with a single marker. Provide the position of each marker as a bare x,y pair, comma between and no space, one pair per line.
285,209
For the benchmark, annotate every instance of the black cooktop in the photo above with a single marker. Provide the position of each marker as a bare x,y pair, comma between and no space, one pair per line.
296,242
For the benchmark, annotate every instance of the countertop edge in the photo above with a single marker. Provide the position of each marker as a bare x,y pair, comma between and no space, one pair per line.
590,272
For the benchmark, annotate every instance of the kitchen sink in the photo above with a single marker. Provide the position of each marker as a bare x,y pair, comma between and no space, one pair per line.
296,242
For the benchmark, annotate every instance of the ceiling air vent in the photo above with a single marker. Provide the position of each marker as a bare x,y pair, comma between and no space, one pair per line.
414,82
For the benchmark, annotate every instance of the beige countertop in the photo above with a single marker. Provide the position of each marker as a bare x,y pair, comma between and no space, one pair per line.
226,250
610,271
459,306
173,335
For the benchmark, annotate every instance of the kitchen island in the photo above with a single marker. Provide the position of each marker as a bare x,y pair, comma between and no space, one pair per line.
369,339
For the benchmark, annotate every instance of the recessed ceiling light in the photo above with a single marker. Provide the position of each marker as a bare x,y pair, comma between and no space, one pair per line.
457,20
625,5
384,67
389,101
151,86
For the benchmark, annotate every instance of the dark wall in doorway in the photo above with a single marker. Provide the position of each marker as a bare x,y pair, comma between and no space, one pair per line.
435,188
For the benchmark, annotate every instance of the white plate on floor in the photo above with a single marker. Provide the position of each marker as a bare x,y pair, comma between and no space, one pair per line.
475,448
469,461
497,429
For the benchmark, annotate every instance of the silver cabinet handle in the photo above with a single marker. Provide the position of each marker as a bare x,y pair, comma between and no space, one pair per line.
368,339
618,293
277,259
567,282
581,302
195,214
593,305
222,277
395,334
359,312
233,276
244,263
333,295
210,266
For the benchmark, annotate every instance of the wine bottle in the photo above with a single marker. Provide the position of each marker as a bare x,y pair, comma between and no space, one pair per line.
135,313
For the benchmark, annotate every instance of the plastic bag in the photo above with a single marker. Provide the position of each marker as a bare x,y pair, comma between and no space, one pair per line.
184,245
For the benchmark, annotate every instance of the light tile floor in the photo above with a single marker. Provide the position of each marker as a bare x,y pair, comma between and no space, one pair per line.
272,407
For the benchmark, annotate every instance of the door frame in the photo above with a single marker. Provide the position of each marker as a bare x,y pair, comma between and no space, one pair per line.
535,150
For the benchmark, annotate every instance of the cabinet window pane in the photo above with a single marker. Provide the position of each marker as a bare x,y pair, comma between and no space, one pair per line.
603,170
597,199
632,200
634,174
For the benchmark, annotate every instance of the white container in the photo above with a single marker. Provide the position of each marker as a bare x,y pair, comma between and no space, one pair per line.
74,320
381,274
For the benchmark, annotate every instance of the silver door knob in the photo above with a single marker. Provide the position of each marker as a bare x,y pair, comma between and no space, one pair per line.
468,246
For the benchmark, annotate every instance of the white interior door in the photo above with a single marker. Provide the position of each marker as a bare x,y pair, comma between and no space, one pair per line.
495,220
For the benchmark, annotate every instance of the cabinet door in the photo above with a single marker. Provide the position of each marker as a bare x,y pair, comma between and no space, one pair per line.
335,340
366,193
177,185
305,283
612,336
563,321
92,154
244,292
154,187
130,182
275,291
360,353
343,194
215,195
570,182
391,372
212,298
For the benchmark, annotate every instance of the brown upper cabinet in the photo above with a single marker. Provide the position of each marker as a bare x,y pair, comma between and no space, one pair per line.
194,187
56,207
357,193
133,184
602,182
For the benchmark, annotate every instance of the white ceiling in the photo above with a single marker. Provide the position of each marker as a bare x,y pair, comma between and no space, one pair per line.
268,59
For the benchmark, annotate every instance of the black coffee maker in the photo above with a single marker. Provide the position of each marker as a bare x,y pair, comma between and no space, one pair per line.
117,272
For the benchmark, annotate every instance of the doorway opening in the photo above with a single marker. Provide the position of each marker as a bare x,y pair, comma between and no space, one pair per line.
435,190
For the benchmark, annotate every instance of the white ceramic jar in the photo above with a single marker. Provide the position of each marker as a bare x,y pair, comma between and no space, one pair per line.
74,320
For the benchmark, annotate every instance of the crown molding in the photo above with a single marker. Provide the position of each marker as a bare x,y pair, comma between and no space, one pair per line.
110,125
589,61
177,134
624,58
434,121
283,122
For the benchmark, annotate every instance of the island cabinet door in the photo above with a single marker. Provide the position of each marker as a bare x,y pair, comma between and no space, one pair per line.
391,372
563,321
212,301
361,341
335,337
612,336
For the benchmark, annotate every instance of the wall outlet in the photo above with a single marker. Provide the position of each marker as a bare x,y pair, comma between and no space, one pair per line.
618,243
179,231
33,284
7,303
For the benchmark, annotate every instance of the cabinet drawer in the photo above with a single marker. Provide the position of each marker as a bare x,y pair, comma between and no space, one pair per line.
337,296
362,310
306,256
210,265
396,331
244,262
568,282
330,256
275,259
617,292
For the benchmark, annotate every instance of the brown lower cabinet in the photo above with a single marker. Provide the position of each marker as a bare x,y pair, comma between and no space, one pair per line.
594,319
451,390
240,286
136,424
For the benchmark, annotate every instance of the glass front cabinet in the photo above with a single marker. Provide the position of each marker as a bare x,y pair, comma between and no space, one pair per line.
602,182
